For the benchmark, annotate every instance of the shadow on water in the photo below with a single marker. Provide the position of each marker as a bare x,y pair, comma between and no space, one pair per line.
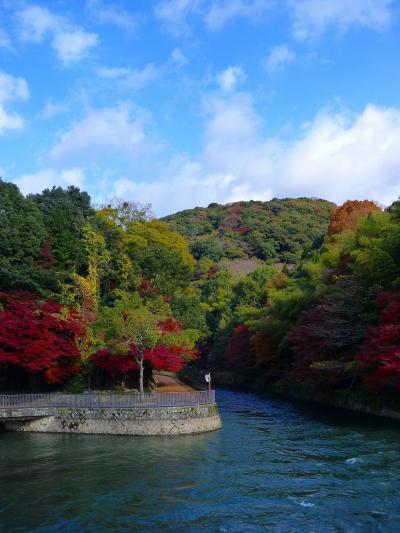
275,466
335,415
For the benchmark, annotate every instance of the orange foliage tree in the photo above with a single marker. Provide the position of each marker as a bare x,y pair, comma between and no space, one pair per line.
346,216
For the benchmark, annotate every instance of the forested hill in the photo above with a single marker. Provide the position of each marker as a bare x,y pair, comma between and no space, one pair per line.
113,294
280,230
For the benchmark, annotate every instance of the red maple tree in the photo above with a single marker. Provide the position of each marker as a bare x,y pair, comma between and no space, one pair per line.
239,354
171,358
379,355
161,357
39,336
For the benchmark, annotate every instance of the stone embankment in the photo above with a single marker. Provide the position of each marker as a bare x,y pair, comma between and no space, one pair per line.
172,414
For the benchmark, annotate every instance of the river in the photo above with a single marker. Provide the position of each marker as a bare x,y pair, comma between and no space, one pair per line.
273,467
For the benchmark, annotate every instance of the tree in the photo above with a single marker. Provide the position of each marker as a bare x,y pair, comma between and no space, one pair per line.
97,257
281,230
22,235
141,250
252,290
39,336
326,335
121,212
156,233
394,210
134,333
239,354
162,267
376,253
21,226
346,216
379,355
65,213
186,307
210,248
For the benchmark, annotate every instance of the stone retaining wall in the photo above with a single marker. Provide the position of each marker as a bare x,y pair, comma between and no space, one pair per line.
135,421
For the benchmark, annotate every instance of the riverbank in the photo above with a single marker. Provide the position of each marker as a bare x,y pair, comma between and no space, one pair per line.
149,421
366,402
171,413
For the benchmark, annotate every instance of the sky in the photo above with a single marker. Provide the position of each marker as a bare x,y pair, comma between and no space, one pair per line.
180,103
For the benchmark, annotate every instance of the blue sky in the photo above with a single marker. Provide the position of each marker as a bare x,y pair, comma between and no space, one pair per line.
181,103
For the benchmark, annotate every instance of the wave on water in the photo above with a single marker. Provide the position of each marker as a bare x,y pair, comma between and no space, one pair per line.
301,502
353,460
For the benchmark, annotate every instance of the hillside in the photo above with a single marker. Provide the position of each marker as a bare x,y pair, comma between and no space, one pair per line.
276,231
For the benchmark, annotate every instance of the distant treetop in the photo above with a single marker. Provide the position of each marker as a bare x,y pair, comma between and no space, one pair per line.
280,230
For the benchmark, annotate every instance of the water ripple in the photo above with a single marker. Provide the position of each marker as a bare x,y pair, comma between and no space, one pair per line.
273,467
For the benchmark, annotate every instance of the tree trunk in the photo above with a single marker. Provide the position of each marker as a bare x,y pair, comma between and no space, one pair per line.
140,363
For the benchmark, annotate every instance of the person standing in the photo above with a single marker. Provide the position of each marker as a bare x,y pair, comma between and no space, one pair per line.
207,377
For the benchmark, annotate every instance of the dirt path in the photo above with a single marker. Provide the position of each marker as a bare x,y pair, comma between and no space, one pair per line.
171,384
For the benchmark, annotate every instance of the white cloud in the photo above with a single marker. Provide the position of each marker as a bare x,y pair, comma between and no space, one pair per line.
278,57
173,13
11,89
10,121
52,109
313,17
112,14
230,120
230,167
133,78
130,77
34,22
101,133
344,156
74,45
336,156
47,178
179,58
113,72
223,12
310,17
229,78
216,14
70,42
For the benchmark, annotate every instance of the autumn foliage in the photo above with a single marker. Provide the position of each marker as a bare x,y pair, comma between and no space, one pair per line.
122,358
238,355
379,355
171,358
113,294
345,217
115,362
39,336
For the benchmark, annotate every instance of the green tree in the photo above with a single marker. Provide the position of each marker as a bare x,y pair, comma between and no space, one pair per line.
210,248
128,323
134,330
120,212
22,229
187,308
22,234
65,213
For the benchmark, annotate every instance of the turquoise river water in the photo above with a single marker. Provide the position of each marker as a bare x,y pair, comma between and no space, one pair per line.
273,467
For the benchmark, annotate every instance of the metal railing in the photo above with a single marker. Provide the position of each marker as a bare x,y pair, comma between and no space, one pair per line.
100,401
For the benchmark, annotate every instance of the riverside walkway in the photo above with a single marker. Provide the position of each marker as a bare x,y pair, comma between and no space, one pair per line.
14,406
